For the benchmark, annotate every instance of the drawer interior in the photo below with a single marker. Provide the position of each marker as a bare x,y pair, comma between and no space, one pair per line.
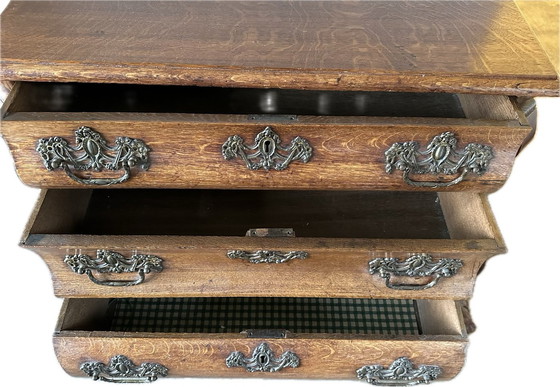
242,314
311,214
330,214
84,97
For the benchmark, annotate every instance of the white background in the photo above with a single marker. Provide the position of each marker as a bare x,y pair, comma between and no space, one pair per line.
515,303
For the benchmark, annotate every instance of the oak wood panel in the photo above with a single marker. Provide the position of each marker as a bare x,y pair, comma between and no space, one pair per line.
475,47
441,317
336,267
543,16
327,272
346,155
320,358
323,355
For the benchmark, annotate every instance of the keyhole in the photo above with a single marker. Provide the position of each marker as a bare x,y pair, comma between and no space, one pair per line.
267,146
263,359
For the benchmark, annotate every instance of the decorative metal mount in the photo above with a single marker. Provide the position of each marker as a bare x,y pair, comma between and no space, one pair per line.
263,360
266,256
122,370
126,154
440,157
418,265
267,150
400,373
108,261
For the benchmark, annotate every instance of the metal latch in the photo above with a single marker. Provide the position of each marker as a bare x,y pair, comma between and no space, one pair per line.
266,333
271,232
272,117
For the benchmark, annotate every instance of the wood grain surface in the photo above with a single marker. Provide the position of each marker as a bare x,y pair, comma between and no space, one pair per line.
77,339
196,264
205,356
475,47
543,17
186,151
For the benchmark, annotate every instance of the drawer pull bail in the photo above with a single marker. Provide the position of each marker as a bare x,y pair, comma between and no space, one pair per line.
267,150
418,265
263,360
122,370
93,153
400,373
107,261
266,256
440,157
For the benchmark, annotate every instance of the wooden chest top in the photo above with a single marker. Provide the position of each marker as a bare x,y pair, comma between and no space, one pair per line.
451,46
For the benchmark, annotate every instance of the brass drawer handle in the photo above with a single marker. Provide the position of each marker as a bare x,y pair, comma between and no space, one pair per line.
122,370
266,256
440,157
108,261
263,360
400,373
92,153
418,265
267,150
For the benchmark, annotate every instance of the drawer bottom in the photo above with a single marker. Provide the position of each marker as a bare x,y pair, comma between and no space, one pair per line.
238,314
134,339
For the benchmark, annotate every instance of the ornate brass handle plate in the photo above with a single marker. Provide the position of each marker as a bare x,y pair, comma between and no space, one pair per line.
266,256
263,360
121,370
400,373
267,152
418,265
107,261
440,158
93,153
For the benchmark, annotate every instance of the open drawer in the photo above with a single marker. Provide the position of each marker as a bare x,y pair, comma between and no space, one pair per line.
182,243
144,339
79,135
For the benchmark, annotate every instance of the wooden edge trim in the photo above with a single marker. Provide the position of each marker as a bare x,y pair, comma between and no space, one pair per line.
330,79
190,244
236,119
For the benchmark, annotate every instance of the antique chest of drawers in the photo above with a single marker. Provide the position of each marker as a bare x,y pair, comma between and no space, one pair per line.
267,189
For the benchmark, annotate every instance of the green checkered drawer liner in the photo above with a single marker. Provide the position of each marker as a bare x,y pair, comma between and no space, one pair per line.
233,315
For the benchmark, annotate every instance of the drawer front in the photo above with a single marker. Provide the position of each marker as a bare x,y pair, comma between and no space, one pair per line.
320,358
308,153
268,268
161,243
257,353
